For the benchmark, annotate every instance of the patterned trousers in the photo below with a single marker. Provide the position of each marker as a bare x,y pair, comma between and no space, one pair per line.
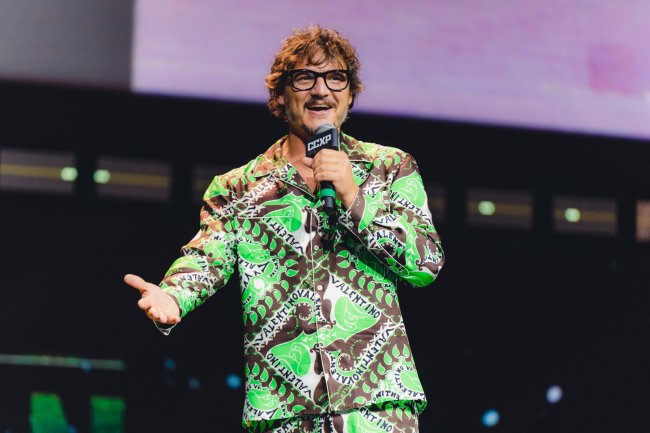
392,417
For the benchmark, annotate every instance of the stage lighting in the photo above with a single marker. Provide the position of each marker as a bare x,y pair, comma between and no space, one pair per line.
194,383
643,220
69,174
486,208
233,381
490,418
170,364
133,179
32,171
572,214
499,208
554,394
102,176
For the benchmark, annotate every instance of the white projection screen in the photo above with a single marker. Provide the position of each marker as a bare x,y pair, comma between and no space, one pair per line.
571,65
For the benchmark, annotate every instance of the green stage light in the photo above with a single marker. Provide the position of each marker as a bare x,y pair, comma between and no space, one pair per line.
69,174
102,176
572,215
487,208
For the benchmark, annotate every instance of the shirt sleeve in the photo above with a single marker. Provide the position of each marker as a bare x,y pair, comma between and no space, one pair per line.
208,260
395,224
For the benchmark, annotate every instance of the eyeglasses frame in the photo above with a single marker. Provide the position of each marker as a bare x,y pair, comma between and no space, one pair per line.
290,73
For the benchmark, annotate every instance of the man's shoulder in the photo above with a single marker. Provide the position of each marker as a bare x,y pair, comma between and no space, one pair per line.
375,152
232,181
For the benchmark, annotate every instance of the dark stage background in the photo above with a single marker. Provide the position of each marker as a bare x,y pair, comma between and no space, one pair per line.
513,313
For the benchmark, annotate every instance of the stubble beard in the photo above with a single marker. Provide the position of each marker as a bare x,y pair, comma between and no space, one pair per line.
293,118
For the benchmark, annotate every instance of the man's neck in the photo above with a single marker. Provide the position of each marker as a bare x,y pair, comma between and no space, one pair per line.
294,149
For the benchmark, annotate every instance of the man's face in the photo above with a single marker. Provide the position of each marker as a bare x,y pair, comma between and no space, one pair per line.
306,110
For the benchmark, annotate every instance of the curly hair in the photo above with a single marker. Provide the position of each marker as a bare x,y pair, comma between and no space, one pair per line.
308,43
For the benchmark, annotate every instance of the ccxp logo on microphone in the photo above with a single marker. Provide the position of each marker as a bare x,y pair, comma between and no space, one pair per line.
319,142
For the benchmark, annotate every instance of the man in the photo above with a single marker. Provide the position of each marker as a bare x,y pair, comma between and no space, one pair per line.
326,348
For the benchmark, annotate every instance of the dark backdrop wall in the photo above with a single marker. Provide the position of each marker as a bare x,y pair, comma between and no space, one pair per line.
513,312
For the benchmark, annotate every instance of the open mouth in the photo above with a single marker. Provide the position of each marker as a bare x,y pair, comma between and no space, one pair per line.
319,108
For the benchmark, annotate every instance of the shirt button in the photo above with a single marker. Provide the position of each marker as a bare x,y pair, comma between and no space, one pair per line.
316,248
320,287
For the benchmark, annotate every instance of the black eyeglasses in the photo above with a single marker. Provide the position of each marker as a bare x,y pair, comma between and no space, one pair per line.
305,79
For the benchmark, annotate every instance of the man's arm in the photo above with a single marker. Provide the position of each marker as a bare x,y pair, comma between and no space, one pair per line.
207,262
394,224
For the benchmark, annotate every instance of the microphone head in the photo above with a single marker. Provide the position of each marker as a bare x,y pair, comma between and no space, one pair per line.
324,127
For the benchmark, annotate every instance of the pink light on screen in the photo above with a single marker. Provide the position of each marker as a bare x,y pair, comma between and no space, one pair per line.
561,64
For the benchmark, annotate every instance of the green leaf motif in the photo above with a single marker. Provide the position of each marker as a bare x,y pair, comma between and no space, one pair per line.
253,317
396,352
360,400
387,359
265,375
298,408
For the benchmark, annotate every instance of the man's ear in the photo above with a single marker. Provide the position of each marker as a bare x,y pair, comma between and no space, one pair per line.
280,99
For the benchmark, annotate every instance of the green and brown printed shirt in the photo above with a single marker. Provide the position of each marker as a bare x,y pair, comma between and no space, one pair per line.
323,326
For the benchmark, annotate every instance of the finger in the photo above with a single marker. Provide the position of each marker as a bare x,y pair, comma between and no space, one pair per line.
163,318
332,155
136,282
144,303
308,161
334,167
332,174
153,313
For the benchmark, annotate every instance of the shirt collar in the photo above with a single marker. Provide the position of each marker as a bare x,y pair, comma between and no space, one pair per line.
272,159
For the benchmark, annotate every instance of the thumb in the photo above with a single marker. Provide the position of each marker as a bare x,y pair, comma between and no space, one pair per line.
136,282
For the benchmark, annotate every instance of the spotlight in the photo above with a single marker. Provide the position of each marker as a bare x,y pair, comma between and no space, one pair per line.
233,381
69,174
572,215
194,383
554,394
486,208
170,364
490,418
102,176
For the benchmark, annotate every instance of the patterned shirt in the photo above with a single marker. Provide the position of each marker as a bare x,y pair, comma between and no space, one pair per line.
323,326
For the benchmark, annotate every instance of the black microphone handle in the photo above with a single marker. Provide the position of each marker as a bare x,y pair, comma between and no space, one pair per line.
329,202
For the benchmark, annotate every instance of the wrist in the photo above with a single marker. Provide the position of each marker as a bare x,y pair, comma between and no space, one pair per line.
349,197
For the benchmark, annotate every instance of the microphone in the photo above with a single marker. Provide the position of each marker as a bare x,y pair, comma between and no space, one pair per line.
326,137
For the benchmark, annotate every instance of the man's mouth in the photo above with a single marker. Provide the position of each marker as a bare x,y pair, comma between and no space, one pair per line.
319,108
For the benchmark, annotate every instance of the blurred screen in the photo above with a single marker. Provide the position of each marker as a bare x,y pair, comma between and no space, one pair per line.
570,65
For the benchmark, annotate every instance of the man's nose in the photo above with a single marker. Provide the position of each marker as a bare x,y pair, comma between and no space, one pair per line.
320,88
